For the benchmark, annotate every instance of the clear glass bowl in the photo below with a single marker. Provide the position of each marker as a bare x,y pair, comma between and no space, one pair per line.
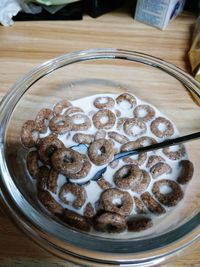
78,75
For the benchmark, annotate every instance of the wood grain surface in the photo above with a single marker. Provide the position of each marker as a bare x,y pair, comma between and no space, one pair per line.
26,44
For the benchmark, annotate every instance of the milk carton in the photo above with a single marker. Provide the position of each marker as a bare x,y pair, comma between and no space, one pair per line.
158,13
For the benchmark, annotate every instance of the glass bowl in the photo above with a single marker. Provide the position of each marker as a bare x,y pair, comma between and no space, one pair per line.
81,74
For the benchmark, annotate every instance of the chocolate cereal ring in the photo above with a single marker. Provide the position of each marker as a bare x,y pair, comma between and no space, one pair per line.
81,138
103,183
104,102
127,176
145,141
88,211
80,122
143,184
139,224
153,160
42,177
83,172
134,127
119,138
47,146
151,204
116,200
101,151
144,112
174,155
66,160
52,181
78,192
187,170
104,119
100,134
32,163
42,119
139,206
29,133
49,202
130,146
160,168
60,124
161,127
136,159
72,110
75,220
126,101
168,199
109,222
60,106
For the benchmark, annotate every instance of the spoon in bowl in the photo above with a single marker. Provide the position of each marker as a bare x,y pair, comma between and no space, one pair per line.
121,155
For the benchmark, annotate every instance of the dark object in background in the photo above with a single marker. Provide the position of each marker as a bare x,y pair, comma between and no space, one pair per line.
73,11
96,8
193,6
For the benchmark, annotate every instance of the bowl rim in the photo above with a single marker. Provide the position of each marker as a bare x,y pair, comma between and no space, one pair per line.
93,247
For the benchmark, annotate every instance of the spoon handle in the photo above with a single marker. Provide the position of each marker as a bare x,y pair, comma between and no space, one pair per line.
166,143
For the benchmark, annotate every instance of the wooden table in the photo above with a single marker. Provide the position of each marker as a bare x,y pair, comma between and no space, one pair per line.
26,44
